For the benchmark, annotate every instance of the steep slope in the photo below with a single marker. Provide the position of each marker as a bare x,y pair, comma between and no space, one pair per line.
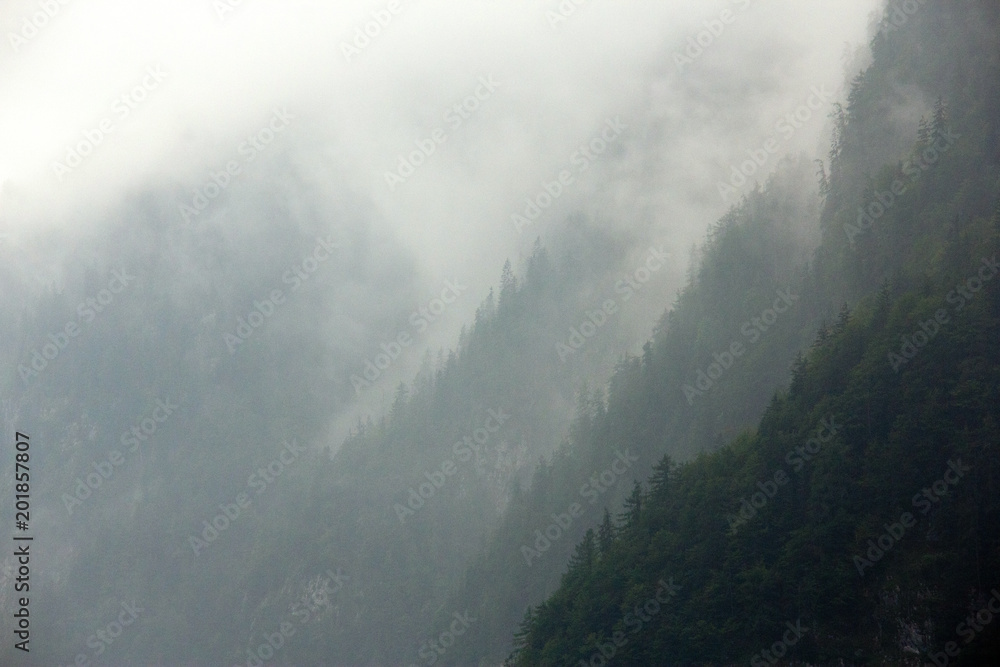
906,385
754,259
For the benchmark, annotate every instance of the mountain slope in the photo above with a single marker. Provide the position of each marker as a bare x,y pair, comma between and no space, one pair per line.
909,381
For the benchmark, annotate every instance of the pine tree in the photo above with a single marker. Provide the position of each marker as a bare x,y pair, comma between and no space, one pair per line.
840,122
824,181
399,403
584,416
799,367
508,287
582,561
606,534
822,336
659,481
523,636
633,506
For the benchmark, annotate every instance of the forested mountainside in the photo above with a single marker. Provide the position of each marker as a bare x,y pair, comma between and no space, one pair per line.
411,501
858,522
621,431
799,464
348,518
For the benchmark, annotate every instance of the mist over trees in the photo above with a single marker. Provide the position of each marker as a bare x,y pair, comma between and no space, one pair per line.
293,430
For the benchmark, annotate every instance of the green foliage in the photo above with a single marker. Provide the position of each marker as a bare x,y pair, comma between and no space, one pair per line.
794,558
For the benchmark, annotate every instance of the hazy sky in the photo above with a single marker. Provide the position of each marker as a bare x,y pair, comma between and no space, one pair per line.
173,89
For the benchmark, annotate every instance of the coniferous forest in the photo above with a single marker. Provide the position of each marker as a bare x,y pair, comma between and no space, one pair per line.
613,423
